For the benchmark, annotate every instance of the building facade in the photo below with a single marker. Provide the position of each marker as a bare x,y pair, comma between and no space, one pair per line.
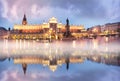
107,29
3,33
53,29
111,28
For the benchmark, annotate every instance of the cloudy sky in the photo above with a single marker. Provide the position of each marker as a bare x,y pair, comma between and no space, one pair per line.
85,12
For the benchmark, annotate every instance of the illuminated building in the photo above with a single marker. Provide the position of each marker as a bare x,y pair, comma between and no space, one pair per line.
107,29
52,29
95,30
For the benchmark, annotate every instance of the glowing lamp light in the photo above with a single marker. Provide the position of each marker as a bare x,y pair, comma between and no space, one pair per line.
95,30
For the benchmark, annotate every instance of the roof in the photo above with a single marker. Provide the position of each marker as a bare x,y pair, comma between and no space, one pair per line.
53,20
24,18
2,28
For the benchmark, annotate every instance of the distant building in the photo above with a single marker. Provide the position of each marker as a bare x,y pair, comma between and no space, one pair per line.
52,29
3,32
95,29
109,28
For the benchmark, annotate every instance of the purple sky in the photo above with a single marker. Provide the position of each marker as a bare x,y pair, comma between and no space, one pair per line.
85,12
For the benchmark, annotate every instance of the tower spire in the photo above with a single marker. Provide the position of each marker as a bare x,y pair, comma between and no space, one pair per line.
24,22
67,63
24,66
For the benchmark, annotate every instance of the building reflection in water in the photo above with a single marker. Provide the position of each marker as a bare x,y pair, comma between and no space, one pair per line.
54,55
55,62
46,61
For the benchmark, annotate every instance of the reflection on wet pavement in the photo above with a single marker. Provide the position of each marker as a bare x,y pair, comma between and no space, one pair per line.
55,54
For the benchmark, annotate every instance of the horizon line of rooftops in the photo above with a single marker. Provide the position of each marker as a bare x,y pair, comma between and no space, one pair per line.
55,20
52,19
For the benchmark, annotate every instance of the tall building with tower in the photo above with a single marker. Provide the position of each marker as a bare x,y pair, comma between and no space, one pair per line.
24,22
51,29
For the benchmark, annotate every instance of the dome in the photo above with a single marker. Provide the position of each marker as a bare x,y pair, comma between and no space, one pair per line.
53,20
2,28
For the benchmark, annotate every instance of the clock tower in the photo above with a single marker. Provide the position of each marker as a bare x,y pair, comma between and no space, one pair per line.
24,22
